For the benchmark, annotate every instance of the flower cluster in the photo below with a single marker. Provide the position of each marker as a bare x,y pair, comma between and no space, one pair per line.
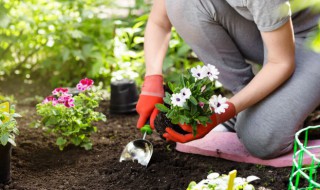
69,113
217,103
216,182
84,84
62,96
209,71
193,98
180,98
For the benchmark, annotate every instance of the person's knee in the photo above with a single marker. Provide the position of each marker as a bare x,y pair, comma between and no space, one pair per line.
266,147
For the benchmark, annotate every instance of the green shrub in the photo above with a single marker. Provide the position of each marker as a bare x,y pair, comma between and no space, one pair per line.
8,125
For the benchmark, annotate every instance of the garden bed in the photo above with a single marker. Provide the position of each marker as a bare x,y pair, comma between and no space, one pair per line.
37,163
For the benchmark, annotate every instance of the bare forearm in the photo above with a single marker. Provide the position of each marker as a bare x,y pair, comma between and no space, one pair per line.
155,47
280,66
157,36
264,83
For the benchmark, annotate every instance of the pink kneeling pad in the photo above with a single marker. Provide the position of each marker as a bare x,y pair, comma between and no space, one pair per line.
226,145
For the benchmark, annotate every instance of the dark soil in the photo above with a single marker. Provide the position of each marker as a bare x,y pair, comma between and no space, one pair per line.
38,164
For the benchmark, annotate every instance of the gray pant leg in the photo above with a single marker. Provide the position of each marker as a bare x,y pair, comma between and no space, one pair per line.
267,129
219,36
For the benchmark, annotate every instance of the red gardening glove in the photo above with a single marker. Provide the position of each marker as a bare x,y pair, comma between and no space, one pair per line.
172,135
151,94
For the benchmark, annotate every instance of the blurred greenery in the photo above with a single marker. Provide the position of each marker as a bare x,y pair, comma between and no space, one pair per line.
62,41
314,5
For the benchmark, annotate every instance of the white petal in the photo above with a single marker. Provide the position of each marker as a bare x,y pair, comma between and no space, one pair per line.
213,175
248,187
252,178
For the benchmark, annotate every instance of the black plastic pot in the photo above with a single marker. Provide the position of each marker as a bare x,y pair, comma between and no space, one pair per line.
124,96
5,163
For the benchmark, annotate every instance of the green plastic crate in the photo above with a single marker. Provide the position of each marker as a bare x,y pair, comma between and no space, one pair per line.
305,177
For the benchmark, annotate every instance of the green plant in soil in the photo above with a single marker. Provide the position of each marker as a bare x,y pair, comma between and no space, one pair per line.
70,118
193,98
8,125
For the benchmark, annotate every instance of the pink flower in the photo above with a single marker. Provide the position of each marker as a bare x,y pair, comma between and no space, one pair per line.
84,84
59,91
50,99
201,104
69,102
64,97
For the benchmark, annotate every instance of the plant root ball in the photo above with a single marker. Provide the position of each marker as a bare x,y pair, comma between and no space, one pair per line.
161,122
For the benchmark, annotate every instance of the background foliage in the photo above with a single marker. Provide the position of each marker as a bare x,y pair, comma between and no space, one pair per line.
62,41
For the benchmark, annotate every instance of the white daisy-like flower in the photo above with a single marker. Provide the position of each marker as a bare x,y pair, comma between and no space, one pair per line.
198,72
211,72
177,100
186,93
218,103
221,183
248,187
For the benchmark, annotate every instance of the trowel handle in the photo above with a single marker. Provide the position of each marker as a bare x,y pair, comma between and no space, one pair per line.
146,128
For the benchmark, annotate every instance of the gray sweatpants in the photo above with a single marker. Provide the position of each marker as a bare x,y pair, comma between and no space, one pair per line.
222,37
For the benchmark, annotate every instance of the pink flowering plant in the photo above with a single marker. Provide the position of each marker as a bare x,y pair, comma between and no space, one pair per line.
193,98
70,117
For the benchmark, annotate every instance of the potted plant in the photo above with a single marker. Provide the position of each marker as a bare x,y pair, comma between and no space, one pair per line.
70,117
192,100
8,131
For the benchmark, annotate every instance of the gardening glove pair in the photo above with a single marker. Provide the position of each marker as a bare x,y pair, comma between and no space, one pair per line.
202,130
152,93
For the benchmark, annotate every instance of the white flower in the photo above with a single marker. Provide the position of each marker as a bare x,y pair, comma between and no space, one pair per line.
213,175
248,187
218,103
221,183
239,181
177,100
186,93
211,72
198,72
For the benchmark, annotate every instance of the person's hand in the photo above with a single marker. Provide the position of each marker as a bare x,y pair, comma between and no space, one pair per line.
172,135
151,94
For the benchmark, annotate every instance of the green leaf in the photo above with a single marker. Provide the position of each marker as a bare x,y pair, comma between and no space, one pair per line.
87,146
11,141
183,50
162,108
183,119
203,119
193,100
203,100
170,113
167,99
193,109
191,185
171,86
182,80
4,139
61,141
76,141
51,121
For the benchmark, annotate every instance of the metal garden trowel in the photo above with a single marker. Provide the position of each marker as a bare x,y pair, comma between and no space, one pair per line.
140,149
